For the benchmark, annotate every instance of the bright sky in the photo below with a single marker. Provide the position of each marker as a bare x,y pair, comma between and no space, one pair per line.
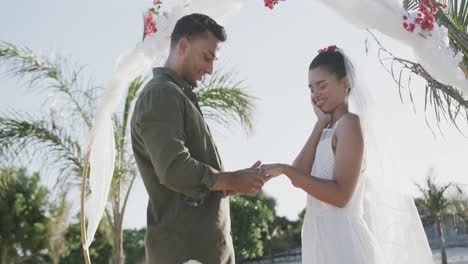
270,50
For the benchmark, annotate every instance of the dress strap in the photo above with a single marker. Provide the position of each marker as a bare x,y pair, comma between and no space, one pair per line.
336,125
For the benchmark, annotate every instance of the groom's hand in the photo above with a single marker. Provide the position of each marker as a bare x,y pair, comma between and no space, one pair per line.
255,167
248,181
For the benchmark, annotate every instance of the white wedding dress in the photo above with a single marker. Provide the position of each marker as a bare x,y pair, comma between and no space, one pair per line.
332,235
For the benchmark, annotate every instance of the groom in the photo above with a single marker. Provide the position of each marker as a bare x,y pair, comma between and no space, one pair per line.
188,209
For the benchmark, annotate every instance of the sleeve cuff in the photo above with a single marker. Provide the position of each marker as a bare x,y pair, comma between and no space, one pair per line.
210,178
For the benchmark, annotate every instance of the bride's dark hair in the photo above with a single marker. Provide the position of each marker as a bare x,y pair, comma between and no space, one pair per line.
331,60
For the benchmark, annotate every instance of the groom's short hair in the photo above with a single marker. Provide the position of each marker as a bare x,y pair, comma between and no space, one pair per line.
195,25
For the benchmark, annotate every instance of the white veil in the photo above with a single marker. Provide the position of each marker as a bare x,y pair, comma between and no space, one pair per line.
389,210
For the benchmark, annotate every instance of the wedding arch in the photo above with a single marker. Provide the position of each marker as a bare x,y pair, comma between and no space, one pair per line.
439,47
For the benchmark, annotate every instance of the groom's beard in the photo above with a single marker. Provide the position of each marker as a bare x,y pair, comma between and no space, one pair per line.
192,83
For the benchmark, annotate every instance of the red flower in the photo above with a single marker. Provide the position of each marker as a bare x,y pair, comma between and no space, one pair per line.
429,20
423,8
426,19
150,24
150,29
444,7
327,49
148,19
271,3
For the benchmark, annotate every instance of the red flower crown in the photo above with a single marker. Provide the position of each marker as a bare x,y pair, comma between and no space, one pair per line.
271,3
329,48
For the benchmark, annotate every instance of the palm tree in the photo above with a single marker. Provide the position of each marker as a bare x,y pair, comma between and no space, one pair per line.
436,203
57,227
54,138
447,101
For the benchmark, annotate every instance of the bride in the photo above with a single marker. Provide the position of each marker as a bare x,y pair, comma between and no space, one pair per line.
331,169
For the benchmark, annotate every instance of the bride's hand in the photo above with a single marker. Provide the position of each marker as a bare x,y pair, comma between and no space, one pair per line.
322,118
273,170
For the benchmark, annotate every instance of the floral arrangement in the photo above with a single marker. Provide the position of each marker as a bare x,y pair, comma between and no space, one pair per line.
150,22
425,16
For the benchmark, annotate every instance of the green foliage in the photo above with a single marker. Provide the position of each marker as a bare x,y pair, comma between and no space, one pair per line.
250,221
23,207
134,245
438,201
100,252
21,133
458,12
258,231
224,101
410,4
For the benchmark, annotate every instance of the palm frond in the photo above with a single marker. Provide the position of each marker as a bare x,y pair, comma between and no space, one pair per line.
456,22
224,100
458,36
6,178
458,13
21,134
125,168
22,62
410,5
446,101
132,92
438,199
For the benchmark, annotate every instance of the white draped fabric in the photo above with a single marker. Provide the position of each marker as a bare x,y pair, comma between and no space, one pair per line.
430,48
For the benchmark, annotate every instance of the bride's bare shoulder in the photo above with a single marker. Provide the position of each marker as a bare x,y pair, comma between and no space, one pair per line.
350,123
350,119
